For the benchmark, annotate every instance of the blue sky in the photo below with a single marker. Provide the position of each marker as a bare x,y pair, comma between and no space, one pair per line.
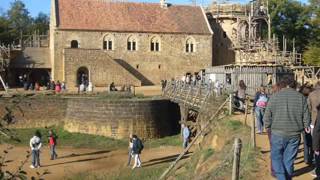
36,6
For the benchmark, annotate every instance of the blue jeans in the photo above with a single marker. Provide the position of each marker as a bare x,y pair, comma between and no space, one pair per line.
53,152
35,158
284,151
185,142
259,118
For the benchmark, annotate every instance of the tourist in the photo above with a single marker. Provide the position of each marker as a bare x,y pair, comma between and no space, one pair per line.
217,88
316,142
286,115
314,101
306,89
275,88
52,145
186,135
112,87
137,147
35,145
58,87
259,105
90,87
52,85
37,86
130,149
63,86
82,87
241,94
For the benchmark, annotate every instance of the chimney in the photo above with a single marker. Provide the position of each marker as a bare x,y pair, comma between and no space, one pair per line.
163,4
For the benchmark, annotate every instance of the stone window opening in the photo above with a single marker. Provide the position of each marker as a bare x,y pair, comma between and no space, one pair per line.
155,44
74,44
108,43
131,44
224,34
159,66
190,46
137,66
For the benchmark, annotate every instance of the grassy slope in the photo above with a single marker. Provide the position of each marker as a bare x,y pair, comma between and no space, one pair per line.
79,140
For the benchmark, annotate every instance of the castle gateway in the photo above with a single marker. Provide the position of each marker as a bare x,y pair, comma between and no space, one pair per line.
127,43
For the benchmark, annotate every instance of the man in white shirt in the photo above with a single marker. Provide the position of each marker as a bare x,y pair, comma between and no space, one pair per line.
35,145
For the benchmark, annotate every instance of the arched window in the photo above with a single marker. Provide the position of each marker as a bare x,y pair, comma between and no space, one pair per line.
132,44
190,45
74,44
108,42
155,44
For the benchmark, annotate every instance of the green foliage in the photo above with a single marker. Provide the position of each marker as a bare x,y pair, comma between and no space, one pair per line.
17,22
291,19
312,55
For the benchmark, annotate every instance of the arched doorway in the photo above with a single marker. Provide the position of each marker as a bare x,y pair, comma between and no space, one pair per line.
74,44
83,76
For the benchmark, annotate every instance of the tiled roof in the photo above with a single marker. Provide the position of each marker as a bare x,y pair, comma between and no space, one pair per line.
130,17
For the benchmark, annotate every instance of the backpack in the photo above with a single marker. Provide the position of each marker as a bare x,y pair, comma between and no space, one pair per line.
139,145
262,101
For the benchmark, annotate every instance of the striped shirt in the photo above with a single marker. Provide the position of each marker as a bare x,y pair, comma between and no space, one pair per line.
287,113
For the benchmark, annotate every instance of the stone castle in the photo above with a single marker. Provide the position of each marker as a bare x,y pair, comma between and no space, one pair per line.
143,43
127,43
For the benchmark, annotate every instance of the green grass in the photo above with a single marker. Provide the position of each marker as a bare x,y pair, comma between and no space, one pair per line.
79,140
207,153
233,124
144,173
65,138
175,140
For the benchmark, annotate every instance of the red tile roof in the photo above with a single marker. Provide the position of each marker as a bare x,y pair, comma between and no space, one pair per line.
130,17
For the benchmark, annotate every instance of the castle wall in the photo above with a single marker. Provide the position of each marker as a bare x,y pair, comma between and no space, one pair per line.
149,66
102,69
113,118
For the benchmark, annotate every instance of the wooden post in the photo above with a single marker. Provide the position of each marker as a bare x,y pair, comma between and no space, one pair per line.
253,131
236,159
230,104
246,112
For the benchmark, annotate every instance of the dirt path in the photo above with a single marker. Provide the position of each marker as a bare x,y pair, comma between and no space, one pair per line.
73,161
302,170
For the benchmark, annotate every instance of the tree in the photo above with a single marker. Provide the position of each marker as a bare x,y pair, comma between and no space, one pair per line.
315,22
19,18
291,19
41,23
312,55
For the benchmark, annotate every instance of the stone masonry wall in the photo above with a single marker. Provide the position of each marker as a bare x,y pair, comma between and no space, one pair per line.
102,69
112,118
171,61
35,112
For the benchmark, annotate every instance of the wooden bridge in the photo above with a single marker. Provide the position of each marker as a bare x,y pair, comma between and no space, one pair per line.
199,101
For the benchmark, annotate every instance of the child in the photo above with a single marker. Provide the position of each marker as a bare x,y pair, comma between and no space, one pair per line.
52,145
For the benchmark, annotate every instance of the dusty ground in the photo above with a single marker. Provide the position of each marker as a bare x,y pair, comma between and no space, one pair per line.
73,161
302,170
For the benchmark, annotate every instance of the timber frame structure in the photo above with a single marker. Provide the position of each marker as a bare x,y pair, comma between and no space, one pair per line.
253,43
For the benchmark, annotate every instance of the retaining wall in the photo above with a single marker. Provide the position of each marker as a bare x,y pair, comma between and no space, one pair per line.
113,118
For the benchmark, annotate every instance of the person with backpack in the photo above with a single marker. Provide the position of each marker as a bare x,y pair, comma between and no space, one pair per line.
137,147
260,104
35,145
52,145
